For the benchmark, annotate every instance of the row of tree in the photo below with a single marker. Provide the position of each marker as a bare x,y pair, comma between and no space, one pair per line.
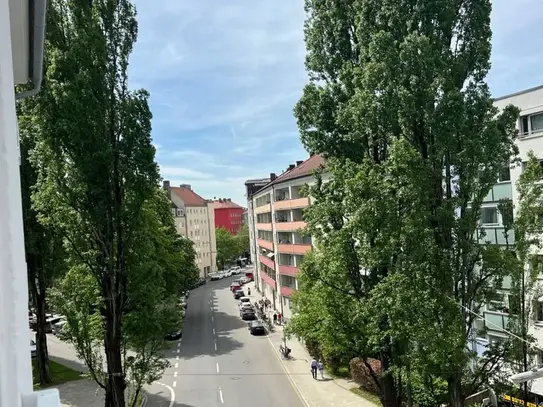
230,246
398,105
101,243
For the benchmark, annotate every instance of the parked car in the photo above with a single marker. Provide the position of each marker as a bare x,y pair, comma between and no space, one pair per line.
235,270
174,336
247,314
52,320
239,294
235,286
257,328
246,305
243,300
59,326
33,352
244,280
215,277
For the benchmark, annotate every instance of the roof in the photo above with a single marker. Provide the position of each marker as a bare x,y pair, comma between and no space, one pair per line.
304,169
190,197
263,181
518,93
226,205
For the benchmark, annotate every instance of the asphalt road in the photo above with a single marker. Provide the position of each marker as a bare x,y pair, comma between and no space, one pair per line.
219,363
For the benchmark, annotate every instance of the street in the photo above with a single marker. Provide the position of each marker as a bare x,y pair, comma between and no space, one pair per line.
217,362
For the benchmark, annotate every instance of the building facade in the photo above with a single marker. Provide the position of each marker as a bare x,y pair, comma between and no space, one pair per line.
496,313
275,222
195,219
228,215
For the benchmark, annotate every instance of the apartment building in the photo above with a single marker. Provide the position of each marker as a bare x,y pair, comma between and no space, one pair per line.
275,208
195,220
228,215
496,313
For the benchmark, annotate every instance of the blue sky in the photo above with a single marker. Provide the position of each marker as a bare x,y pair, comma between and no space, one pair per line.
224,76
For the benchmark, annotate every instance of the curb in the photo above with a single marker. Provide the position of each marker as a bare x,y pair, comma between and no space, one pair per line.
144,401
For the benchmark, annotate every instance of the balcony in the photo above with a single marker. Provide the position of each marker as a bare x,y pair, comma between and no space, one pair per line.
496,322
288,270
287,291
268,280
291,204
265,244
263,209
264,226
289,226
267,261
293,248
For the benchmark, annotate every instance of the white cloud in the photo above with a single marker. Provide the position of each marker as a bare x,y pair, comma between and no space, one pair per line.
170,172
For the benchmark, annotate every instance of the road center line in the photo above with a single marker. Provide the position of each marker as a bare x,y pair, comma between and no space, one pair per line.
174,384
213,331
178,344
215,344
176,365
177,358
212,318
217,368
172,393
178,350
220,395
175,374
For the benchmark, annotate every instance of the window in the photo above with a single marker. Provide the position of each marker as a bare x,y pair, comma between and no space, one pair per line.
538,311
489,216
531,124
505,174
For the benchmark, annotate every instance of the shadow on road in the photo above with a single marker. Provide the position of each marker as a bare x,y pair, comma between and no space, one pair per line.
161,398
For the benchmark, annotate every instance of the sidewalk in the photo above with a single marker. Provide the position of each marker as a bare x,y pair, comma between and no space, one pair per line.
315,393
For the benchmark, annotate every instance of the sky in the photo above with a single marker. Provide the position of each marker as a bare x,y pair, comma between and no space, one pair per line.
224,76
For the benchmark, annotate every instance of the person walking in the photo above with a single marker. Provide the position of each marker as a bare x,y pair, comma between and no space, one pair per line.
320,366
314,368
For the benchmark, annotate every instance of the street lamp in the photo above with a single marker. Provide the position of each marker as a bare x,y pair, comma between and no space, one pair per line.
523,377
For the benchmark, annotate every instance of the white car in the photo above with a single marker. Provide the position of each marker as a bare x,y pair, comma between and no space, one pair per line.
235,270
244,280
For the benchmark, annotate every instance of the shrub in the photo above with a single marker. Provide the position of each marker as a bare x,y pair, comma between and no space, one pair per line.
361,374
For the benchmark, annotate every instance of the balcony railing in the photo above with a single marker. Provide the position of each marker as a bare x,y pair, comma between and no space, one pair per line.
293,248
268,280
287,291
263,208
288,270
267,261
291,204
265,244
290,226
264,226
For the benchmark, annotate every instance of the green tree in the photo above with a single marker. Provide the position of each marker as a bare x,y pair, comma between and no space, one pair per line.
398,105
43,244
243,240
227,247
97,167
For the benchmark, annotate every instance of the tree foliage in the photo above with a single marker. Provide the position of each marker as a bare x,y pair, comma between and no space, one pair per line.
97,184
398,106
243,239
228,247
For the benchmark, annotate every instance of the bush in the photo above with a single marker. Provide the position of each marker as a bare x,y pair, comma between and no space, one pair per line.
361,374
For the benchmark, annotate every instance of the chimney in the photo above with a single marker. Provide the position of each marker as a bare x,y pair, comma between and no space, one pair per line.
229,199
186,186
273,176
290,167
165,184
299,162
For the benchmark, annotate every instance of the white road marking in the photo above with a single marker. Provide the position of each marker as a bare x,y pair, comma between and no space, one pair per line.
213,331
212,318
217,368
215,345
176,365
178,350
177,358
289,377
178,344
172,393
220,395
174,374
174,383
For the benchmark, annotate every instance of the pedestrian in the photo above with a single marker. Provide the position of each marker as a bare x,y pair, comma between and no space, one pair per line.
249,291
314,368
320,366
279,318
275,318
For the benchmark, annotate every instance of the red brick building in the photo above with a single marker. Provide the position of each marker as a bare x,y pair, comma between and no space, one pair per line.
228,215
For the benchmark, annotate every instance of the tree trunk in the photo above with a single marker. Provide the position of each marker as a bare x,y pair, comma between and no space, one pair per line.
454,383
38,289
115,383
389,396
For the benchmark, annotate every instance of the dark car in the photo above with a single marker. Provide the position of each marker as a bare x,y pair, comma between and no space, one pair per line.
173,336
257,328
238,294
247,314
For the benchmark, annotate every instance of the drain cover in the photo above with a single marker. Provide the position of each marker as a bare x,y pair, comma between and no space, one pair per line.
246,362
235,378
